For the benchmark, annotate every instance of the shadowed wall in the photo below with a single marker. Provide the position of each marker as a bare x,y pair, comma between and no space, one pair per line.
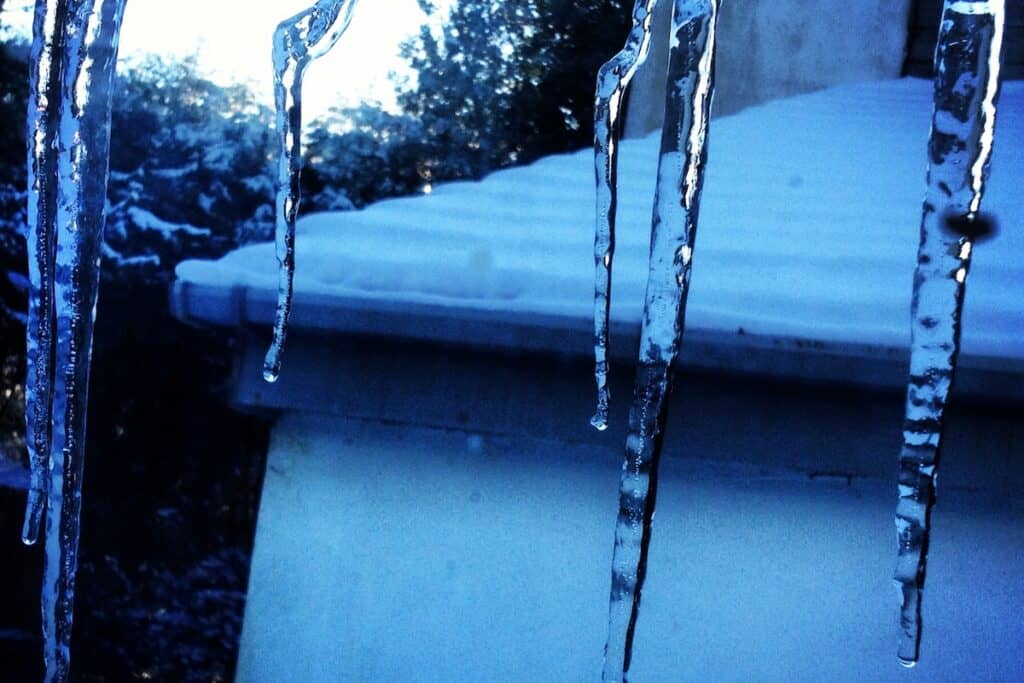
770,49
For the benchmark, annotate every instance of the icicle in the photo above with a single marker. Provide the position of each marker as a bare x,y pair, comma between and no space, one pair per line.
674,224
960,148
612,80
297,42
44,95
72,68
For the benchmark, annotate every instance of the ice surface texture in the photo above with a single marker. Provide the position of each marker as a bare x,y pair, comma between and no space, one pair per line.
612,80
673,229
43,110
959,152
73,58
297,42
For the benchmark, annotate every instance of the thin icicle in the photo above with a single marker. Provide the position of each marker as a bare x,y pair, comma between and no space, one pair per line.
959,149
612,80
44,95
74,56
297,42
673,229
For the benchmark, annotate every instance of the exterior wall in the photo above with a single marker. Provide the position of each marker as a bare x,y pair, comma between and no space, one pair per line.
799,425
431,513
770,49
390,552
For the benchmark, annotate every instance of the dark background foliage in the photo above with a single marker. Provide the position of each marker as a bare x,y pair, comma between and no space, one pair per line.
503,83
172,475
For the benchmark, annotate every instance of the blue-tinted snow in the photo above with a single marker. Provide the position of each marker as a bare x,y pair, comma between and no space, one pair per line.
146,220
809,227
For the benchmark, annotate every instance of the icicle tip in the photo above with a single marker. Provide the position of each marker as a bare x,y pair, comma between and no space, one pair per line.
33,518
604,398
271,372
906,663
29,536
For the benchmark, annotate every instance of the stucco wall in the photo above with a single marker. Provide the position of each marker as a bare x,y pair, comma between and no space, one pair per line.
770,49
441,514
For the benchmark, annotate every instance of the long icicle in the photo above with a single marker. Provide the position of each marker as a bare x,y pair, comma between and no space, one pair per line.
297,42
91,29
612,81
44,96
674,225
959,151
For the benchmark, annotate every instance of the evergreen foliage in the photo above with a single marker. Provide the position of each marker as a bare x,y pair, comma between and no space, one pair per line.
506,82
358,155
190,169
496,84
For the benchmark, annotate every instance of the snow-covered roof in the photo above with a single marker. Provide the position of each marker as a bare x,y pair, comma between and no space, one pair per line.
807,241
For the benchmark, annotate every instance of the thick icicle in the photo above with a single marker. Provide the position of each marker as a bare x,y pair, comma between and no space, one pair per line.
73,60
297,42
612,80
959,151
44,96
673,229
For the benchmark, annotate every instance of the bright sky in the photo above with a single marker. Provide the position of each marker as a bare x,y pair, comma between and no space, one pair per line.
233,40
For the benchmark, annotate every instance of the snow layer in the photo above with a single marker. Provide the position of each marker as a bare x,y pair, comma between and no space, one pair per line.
146,220
809,229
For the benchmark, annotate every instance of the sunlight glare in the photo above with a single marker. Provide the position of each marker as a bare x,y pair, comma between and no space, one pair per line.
232,41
